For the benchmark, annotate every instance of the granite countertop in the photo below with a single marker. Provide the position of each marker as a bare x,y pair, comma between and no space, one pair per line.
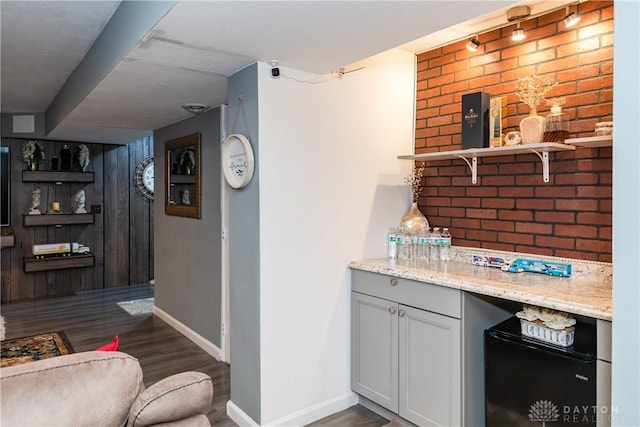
587,292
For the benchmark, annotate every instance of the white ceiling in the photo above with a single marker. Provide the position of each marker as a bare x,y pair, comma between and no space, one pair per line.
189,54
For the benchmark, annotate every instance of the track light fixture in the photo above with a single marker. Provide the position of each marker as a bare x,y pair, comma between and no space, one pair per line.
517,14
473,44
518,34
571,18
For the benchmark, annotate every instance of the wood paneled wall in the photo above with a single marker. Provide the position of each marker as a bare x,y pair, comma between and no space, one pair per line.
121,237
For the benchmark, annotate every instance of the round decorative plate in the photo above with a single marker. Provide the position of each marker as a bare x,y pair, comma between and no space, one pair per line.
143,178
237,160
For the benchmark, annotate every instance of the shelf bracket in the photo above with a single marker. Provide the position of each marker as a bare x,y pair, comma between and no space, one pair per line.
544,158
473,166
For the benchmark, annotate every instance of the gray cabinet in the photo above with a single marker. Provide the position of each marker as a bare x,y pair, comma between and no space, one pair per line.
407,358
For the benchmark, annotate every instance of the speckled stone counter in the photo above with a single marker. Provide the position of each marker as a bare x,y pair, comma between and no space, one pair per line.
587,292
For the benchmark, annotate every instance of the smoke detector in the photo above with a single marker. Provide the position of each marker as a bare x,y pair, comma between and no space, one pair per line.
195,108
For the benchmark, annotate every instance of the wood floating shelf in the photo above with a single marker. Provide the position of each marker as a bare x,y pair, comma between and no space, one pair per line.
57,176
7,241
541,149
32,265
57,219
591,141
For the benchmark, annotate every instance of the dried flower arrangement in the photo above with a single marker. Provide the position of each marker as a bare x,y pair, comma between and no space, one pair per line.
33,153
415,180
532,90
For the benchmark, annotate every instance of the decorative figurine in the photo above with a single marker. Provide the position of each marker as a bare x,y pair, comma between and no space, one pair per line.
35,202
79,200
186,197
65,157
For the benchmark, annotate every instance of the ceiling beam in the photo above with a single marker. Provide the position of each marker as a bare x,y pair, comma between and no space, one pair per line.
131,21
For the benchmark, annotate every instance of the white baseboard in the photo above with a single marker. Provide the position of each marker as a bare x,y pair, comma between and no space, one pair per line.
198,339
317,412
239,416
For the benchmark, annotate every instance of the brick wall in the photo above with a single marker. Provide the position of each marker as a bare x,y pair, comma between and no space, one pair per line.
511,208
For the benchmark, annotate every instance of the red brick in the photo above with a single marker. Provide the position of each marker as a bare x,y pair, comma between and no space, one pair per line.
576,178
429,73
515,72
482,213
425,56
533,250
599,110
498,180
559,64
519,50
441,80
451,191
583,72
498,203
557,40
600,28
537,57
603,82
482,191
593,191
427,93
516,168
504,66
439,100
555,191
515,191
578,47
555,217
425,113
605,233
485,236
582,231
600,55
441,60
595,218
440,120
520,239
579,255
607,40
468,73
593,245
497,225
484,59
484,81
515,215
465,223
455,67
581,99
606,13
576,205
439,201
534,228
555,242
607,67
427,133
466,202
455,87
453,212
606,205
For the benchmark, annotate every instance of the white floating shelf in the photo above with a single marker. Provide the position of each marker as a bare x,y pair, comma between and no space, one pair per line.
541,149
591,141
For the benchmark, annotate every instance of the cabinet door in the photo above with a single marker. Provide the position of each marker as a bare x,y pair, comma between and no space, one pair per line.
374,349
429,368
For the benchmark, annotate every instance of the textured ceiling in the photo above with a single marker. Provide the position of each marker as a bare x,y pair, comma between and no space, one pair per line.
189,53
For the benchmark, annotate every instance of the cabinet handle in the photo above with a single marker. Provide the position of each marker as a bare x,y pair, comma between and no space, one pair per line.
400,313
393,281
392,310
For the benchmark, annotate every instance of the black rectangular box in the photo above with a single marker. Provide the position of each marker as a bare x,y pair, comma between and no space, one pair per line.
475,120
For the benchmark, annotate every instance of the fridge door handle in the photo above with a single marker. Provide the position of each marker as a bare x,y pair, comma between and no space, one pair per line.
544,348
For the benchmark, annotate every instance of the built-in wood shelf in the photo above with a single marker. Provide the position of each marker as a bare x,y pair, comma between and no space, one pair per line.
183,179
32,265
541,149
591,141
57,219
7,240
57,176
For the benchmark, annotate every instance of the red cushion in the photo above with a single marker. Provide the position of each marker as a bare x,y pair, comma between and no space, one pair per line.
112,346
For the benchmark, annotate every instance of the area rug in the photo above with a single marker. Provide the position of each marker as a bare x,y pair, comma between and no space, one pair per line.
137,307
36,347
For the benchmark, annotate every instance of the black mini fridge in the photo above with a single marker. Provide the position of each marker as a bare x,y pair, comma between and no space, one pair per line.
531,383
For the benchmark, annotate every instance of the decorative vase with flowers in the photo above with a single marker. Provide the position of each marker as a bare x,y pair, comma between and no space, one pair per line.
414,221
33,154
532,90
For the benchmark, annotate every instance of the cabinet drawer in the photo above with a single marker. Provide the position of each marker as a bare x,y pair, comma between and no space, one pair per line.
426,296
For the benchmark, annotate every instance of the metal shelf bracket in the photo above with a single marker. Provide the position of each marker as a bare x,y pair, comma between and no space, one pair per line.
544,158
473,167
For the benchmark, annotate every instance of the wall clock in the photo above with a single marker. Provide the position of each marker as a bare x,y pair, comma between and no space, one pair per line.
143,178
237,160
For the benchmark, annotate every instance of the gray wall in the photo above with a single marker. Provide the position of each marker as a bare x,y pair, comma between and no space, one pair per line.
187,250
6,126
244,252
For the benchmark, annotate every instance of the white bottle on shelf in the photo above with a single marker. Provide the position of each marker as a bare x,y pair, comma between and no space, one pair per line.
392,247
434,244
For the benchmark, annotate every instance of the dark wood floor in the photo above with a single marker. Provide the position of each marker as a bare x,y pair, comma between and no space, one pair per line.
91,319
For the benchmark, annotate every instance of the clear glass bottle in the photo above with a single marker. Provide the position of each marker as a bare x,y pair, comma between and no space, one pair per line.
424,247
434,244
556,125
400,246
392,247
445,245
